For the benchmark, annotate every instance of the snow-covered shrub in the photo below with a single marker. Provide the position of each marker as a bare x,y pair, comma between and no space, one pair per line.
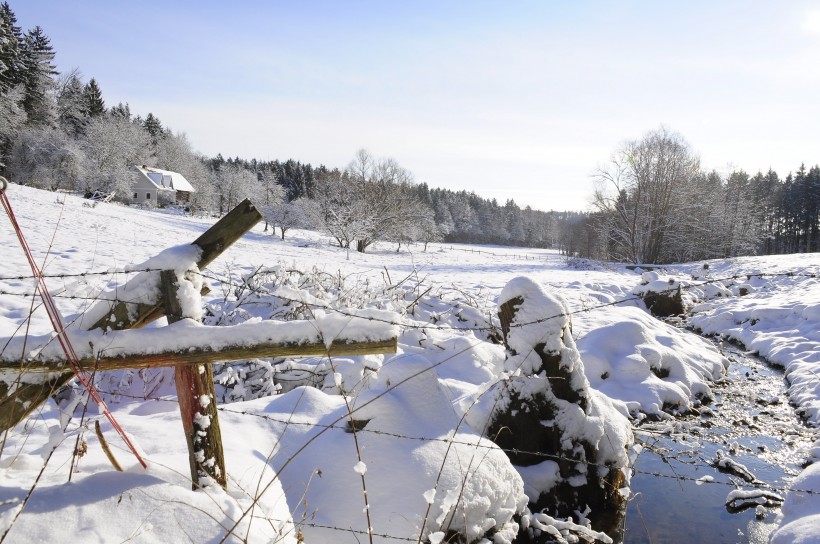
287,293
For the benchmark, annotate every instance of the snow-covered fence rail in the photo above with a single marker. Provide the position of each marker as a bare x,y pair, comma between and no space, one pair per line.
187,343
25,395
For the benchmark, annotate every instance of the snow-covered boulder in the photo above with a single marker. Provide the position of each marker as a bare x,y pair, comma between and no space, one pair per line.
649,365
569,441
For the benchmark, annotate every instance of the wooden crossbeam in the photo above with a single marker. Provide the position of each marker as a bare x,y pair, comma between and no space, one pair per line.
201,355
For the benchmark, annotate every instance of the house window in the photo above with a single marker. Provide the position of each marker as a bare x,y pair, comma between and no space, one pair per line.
147,196
136,196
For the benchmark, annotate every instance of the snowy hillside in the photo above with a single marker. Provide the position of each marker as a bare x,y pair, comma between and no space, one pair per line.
423,453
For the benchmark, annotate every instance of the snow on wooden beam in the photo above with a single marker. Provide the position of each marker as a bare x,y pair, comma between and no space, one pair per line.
202,356
188,342
212,242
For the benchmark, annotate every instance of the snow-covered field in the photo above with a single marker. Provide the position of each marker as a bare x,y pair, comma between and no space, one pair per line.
425,459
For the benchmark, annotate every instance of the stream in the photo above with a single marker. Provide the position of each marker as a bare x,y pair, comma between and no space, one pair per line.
678,495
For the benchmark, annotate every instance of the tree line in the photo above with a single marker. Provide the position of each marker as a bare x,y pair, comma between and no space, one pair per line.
59,134
652,203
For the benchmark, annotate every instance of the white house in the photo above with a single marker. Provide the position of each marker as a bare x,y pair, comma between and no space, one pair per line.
158,186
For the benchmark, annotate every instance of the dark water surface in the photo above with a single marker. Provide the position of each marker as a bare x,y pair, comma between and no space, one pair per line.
753,424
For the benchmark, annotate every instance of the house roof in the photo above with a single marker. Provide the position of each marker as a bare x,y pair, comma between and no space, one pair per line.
165,179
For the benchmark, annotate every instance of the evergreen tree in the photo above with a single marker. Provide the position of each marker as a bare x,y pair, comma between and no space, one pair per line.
11,45
122,111
153,126
70,104
92,96
38,71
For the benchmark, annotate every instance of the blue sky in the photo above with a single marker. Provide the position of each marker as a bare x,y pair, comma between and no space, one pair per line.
517,100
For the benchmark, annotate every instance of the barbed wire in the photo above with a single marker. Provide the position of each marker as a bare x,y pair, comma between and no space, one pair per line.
73,297
83,274
434,326
488,328
344,530
492,446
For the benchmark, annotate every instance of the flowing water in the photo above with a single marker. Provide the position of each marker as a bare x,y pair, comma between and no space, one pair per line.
678,493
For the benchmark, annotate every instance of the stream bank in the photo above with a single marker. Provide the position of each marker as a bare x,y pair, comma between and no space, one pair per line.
680,486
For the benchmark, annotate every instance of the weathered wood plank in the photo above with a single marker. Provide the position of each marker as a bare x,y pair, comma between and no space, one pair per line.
208,355
197,403
19,398
213,242
226,231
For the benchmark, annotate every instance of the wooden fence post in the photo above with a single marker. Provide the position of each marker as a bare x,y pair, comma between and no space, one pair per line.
197,403
22,399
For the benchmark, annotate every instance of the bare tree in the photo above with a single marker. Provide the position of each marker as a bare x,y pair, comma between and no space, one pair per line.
639,191
285,215
334,209
112,145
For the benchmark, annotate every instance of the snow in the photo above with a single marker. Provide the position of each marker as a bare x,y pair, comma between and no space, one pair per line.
799,520
180,336
422,410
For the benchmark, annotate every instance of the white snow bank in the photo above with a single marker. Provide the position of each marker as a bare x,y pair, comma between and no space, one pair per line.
412,443
155,505
780,321
799,519
632,357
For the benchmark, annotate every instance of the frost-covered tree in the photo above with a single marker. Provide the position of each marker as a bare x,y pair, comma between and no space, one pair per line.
285,215
113,145
71,112
37,77
232,184
333,210
271,191
46,158
640,189
13,118
385,206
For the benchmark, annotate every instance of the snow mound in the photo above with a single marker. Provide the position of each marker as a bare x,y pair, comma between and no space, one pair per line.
411,442
800,515
649,365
